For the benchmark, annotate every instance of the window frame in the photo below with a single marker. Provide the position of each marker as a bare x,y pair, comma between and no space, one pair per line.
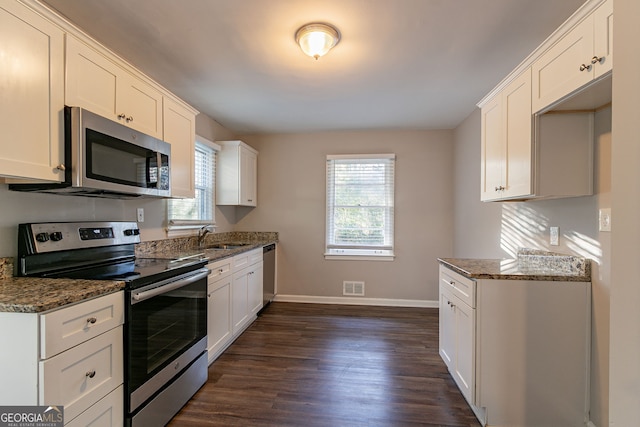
185,227
384,252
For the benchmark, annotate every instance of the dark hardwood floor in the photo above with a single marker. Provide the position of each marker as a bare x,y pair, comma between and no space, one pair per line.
331,365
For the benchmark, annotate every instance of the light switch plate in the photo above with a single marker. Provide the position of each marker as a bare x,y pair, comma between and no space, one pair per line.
604,220
140,214
553,236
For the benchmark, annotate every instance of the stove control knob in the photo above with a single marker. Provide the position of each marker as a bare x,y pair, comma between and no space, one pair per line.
56,236
42,237
131,232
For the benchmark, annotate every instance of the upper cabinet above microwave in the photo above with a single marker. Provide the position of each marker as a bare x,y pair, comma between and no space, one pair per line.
99,85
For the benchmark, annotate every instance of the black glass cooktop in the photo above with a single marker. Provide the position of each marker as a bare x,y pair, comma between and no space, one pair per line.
137,272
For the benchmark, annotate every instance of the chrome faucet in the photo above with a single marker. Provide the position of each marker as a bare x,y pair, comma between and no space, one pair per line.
202,232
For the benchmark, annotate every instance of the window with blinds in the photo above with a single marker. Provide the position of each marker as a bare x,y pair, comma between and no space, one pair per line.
360,204
191,213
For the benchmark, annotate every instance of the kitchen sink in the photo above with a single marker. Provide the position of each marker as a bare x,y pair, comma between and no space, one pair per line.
223,246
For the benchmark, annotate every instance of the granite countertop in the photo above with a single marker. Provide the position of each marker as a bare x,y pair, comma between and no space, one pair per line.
208,253
35,294
528,265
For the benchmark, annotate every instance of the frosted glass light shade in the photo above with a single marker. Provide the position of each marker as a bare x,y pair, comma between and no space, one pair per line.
317,39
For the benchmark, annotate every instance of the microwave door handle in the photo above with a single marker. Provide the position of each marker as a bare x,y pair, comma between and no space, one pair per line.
137,297
158,164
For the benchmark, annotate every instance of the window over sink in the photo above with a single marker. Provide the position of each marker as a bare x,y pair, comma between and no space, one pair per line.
360,207
186,215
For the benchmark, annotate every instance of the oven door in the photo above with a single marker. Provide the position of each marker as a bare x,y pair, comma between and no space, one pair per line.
166,329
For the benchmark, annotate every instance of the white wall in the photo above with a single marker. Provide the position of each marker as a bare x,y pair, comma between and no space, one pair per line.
291,200
495,230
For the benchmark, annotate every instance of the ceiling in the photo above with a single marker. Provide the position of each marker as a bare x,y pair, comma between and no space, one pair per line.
401,64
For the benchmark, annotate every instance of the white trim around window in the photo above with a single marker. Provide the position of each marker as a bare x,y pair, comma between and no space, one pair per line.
187,216
360,207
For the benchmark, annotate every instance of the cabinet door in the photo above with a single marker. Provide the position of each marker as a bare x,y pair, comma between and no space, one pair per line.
603,39
32,101
447,330
248,177
141,104
559,71
255,288
180,132
492,151
239,300
465,344
517,127
218,316
91,80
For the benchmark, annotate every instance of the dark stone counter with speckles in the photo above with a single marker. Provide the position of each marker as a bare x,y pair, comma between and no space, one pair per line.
36,295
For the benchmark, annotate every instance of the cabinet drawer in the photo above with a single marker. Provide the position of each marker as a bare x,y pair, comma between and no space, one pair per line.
247,258
65,328
107,412
79,377
462,287
220,269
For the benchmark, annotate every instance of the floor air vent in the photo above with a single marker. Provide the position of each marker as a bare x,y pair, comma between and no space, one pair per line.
353,288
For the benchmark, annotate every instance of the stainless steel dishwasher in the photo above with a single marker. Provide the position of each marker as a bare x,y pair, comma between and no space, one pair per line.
269,273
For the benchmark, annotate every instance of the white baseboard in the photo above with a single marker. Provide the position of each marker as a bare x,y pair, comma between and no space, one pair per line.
356,301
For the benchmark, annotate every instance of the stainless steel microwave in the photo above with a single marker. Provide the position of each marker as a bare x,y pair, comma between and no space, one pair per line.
106,159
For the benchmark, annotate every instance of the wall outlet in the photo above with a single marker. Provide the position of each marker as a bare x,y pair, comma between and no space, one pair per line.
554,236
604,220
140,214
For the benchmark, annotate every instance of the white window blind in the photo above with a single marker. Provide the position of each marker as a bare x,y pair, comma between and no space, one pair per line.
360,205
190,213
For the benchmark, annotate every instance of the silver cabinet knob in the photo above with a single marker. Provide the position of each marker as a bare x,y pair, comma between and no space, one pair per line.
596,60
91,373
61,167
121,116
129,119
584,67
92,320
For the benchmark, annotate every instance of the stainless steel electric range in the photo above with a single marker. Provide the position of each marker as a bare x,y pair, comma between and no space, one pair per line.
165,330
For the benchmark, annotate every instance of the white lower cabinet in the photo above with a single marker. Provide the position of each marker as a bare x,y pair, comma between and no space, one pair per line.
219,333
235,297
457,335
521,356
107,412
72,356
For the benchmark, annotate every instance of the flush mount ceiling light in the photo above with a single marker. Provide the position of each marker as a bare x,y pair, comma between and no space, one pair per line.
316,39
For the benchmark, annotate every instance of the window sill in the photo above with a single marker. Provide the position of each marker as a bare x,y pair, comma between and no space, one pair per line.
389,256
186,228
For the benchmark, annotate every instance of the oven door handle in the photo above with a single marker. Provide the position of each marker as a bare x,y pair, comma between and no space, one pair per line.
137,297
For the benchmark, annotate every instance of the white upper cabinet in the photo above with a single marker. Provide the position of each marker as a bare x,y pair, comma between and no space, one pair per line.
32,100
581,56
98,84
507,143
180,131
237,168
